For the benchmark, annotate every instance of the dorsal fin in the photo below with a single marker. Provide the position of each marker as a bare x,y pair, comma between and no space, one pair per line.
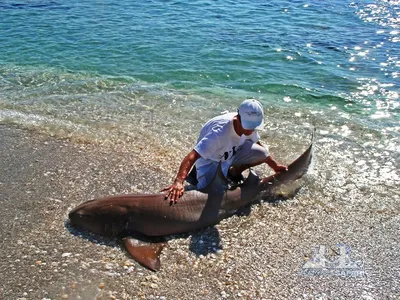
219,182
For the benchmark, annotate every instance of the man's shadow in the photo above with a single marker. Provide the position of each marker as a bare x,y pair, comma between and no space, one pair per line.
205,242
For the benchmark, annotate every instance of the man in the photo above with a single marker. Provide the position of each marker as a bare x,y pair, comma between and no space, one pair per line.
231,139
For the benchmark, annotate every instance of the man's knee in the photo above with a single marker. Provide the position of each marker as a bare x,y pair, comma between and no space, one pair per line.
251,154
257,152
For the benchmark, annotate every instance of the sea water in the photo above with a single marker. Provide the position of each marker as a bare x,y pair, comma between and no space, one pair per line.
150,73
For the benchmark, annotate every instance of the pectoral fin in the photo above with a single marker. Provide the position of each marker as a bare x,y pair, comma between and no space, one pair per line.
147,254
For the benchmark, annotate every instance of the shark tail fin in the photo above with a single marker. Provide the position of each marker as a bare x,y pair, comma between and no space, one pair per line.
147,254
296,169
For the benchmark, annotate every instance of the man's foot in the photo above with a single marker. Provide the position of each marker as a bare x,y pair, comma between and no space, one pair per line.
234,181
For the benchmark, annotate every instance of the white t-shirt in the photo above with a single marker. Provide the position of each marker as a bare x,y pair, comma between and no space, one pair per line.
218,141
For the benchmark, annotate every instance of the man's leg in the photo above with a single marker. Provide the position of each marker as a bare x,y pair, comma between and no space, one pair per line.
249,155
205,174
191,178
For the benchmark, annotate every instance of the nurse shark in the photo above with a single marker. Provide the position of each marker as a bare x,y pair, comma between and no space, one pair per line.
142,220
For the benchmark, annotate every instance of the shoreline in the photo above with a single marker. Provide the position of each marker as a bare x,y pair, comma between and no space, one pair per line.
260,255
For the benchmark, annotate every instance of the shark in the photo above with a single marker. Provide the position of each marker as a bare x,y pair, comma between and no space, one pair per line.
142,221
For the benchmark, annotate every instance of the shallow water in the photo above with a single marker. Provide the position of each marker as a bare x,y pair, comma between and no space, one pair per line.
151,73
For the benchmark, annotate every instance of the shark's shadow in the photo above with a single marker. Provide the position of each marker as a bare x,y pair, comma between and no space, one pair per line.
203,242
91,237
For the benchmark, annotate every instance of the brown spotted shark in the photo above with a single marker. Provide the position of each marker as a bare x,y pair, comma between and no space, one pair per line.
141,219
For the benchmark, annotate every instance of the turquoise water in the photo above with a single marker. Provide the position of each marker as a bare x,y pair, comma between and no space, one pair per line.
156,70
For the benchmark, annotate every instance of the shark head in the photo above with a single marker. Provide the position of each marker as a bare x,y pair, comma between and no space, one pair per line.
90,216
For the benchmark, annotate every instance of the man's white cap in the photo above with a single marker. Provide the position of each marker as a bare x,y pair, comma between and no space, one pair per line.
251,114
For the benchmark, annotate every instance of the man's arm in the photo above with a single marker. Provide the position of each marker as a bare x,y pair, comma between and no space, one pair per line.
274,165
176,189
270,161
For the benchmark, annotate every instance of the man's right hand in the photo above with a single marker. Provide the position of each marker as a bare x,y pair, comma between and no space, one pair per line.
174,191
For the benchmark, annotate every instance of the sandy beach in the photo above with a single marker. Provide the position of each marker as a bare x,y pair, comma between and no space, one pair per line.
266,254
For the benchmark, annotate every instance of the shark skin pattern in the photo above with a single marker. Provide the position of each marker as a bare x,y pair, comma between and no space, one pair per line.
140,220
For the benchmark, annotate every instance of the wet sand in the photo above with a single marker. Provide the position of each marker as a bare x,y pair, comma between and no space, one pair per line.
263,254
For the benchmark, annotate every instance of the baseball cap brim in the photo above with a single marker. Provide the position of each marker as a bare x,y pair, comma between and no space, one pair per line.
252,125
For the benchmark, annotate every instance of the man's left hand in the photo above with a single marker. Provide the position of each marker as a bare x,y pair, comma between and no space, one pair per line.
280,168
